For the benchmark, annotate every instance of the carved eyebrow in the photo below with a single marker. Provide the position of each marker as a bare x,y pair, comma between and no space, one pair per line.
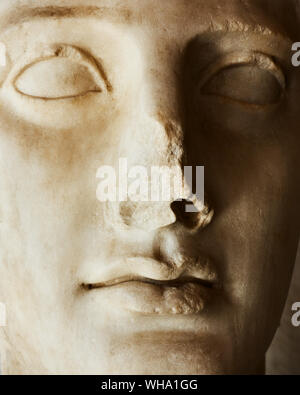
237,26
240,27
23,13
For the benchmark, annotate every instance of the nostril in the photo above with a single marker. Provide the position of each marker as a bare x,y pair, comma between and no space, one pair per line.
189,218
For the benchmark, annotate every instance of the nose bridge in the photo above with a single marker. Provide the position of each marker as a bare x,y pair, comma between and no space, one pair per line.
163,77
163,109
155,119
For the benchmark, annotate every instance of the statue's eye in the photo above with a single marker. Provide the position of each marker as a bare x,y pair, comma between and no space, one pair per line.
56,78
58,86
68,73
257,83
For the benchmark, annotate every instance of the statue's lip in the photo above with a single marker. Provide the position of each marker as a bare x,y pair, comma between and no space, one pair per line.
151,271
184,296
149,286
164,283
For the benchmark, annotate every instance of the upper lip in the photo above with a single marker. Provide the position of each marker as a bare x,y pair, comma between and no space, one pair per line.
151,271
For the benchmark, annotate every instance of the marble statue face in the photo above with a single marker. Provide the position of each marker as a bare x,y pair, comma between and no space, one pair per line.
144,287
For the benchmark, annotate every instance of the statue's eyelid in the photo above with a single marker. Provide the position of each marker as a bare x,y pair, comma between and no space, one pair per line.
75,54
262,61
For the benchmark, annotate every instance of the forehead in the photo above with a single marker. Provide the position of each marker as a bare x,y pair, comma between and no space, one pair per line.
278,14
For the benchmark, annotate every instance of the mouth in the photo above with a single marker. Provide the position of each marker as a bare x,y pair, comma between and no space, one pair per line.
183,295
163,283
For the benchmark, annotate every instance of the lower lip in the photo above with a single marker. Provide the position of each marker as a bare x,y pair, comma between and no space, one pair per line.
147,298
